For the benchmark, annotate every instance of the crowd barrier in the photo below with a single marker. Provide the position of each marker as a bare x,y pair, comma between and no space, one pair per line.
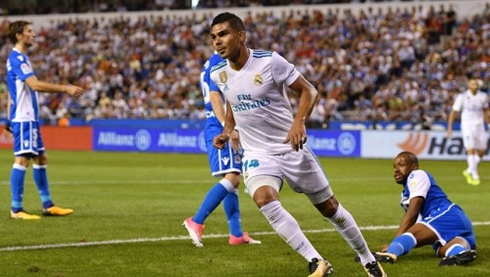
181,136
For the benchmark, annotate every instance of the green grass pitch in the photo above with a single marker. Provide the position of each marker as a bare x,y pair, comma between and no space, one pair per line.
129,208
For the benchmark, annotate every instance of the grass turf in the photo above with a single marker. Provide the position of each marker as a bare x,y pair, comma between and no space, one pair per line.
129,208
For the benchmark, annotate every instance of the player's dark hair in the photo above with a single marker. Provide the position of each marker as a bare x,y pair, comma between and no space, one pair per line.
17,27
235,22
409,156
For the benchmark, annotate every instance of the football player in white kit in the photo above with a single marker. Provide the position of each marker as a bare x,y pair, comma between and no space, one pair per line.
274,143
473,106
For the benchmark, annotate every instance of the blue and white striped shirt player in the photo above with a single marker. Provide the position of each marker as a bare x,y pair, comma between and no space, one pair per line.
221,161
24,109
446,219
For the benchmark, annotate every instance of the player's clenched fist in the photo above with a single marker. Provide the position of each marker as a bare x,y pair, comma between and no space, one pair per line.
220,140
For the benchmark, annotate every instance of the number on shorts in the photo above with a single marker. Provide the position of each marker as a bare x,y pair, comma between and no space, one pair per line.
251,163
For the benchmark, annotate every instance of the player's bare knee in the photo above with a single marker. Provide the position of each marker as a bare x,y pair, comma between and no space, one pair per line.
23,161
263,196
264,188
234,178
329,207
41,159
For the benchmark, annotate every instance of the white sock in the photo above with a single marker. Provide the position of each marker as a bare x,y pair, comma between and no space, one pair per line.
476,160
227,184
471,164
348,229
288,228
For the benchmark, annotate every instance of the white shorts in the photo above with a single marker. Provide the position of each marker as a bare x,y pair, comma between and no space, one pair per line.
301,169
474,136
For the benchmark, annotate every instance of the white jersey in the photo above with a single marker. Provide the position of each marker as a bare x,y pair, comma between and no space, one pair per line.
471,107
257,96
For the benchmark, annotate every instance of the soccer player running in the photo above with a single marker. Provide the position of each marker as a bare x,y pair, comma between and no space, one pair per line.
225,163
430,218
473,105
254,82
23,122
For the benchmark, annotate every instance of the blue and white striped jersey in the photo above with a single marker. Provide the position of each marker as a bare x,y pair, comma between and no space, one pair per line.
213,125
24,100
421,183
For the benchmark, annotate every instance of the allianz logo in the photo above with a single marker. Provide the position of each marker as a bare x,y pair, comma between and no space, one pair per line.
142,140
345,143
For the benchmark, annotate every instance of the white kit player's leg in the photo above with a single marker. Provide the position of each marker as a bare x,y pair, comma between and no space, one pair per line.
288,228
347,227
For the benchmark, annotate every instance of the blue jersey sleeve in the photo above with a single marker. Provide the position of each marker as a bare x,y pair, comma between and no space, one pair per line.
212,85
20,65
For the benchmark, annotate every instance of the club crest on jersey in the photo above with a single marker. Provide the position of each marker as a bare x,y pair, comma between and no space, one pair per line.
412,184
223,77
238,159
258,80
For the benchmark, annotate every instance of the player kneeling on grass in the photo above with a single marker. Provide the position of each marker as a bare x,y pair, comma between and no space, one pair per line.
430,218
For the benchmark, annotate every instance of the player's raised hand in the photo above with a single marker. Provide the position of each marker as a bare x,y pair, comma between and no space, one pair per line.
296,135
74,91
220,140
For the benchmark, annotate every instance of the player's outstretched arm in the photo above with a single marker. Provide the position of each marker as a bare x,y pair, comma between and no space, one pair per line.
34,83
411,215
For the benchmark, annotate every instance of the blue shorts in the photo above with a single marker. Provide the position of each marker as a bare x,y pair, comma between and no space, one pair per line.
448,223
222,161
27,138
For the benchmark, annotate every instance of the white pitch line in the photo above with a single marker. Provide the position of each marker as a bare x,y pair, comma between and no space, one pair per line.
142,240
210,180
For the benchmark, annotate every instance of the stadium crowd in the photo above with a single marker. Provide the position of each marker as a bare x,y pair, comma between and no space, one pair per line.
23,7
402,64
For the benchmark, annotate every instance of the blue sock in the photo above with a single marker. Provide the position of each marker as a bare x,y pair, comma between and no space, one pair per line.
214,197
455,249
41,180
232,210
402,244
17,178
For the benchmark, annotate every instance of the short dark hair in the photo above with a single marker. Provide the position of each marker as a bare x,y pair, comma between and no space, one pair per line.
17,27
409,157
235,22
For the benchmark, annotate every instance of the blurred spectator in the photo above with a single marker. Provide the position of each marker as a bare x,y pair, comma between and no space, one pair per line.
372,66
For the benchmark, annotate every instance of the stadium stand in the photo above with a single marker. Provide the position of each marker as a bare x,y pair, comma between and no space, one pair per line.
369,62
